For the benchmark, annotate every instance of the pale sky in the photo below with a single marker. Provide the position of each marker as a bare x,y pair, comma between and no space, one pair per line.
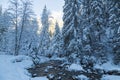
38,5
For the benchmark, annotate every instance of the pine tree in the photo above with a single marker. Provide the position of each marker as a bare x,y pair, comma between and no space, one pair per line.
114,22
94,40
109,25
10,32
3,30
99,24
57,42
44,35
1,23
70,28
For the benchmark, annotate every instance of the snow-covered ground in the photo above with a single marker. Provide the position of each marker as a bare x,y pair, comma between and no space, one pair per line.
110,77
15,68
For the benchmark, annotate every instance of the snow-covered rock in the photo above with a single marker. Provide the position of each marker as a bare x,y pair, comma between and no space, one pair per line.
75,67
81,77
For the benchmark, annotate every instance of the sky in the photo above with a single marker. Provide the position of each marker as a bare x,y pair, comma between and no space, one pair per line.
38,5
54,6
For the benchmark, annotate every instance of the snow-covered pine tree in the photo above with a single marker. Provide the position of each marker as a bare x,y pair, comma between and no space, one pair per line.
9,33
99,23
94,41
4,24
88,33
70,28
44,35
114,24
109,24
2,30
56,42
33,40
100,46
116,49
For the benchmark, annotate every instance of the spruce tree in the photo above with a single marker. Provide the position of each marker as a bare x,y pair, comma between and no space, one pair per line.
4,23
114,22
70,28
44,35
57,42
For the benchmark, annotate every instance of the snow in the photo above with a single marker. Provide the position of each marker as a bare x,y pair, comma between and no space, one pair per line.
39,78
57,58
82,77
43,59
109,66
51,76
110,77
13,71
15,68
75,67
119,30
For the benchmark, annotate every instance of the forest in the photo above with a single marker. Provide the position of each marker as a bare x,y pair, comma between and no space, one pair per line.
87,47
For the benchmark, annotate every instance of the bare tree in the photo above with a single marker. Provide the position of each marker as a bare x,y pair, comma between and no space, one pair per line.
26,13
14,10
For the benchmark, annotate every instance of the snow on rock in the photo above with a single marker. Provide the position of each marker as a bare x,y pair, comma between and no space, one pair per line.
82,77
50,76
75,67
39,78
14,67
57,58
110,77
108,66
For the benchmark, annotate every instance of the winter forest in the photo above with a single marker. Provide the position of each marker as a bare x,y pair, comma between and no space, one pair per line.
86,47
